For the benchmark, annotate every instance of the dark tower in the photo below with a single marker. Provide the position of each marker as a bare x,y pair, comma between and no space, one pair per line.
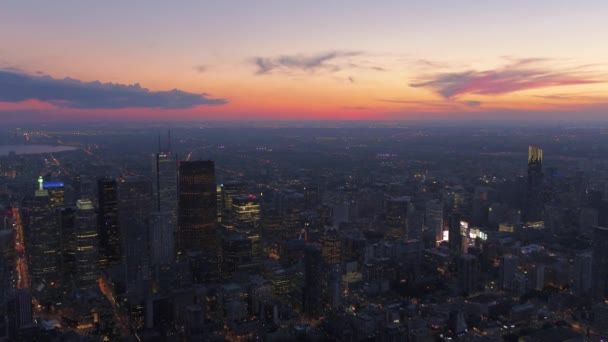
534,204
455,234
197,203
109,233
599,263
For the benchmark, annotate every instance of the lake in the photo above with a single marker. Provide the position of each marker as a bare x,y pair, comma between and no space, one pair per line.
33,149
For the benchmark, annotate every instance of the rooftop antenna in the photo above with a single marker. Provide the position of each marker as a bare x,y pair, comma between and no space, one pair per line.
159,148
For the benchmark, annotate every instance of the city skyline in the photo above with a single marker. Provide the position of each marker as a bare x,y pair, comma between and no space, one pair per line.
312,60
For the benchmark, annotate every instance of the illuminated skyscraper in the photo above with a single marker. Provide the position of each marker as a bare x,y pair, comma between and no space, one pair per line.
87,257
246,213
197,223
534,203
110,242
43,246
56,192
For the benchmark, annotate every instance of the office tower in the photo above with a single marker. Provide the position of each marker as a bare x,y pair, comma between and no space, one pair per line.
87,256
313,280
600,263
20,314
534,203
7,268
468,274
42,242
110,241
134,208
67,227
56,192
433,218
331,247
507,271
162,239
582,280
164,183
456,323
396,217
197,226
536,276
455,234
237,255
246,213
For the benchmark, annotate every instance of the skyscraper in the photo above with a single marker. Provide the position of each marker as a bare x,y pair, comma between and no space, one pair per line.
313,280
583,279
433,218
134,208
87,257
109,233
42,239
455,234
68,246
164,182
534,203
507,271
600,263
56,192
396,216
468,274
197,224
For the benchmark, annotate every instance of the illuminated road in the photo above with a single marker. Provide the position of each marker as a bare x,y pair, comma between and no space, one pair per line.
23,281
121,318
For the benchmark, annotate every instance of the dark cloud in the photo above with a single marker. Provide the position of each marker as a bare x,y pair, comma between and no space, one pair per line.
201,68
521,74
472,103
71,93
309,63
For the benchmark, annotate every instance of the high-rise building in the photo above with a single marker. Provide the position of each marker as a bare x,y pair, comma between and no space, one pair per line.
197,223
164,183
87,256
246,213
433,218
508,271
582,280
134,208
468,274
600,263
68,246
162,239
396,217
331,247
313,280
42,240
110,241
56,192
455,234
534,203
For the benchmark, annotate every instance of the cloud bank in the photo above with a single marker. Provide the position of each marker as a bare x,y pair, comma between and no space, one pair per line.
519,75
16,86
327,61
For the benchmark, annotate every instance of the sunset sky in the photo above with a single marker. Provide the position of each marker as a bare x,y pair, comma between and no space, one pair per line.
376,60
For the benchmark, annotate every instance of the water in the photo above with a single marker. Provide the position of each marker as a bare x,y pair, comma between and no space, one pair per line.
33,149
